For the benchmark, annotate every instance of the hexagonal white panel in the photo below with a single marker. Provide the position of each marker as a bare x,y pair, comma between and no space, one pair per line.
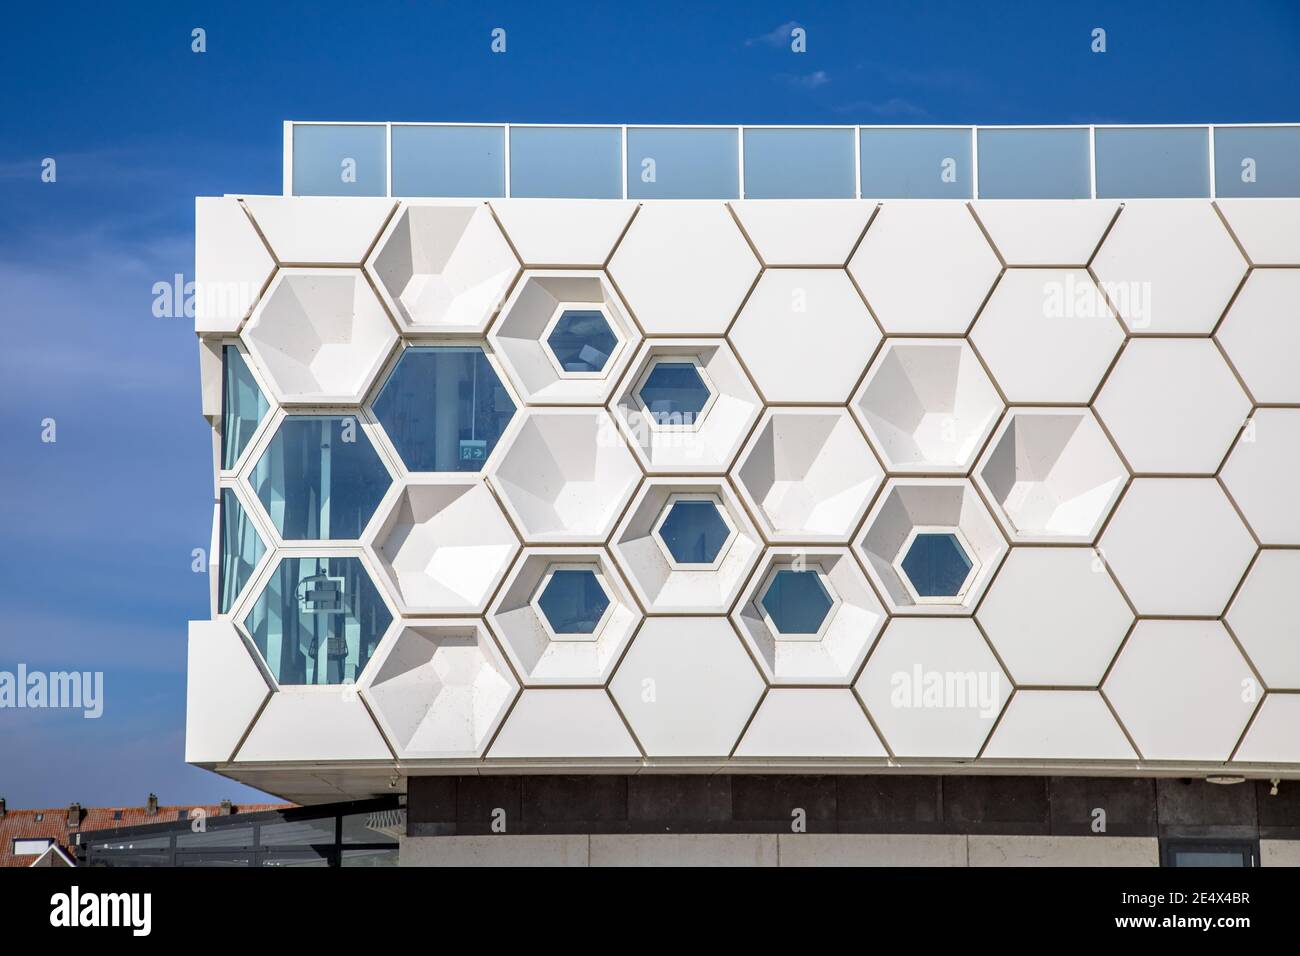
684,268
810,723
319,230
1055,616
565,476
1260,474
1182,689
1272,737
805,335
320,336
439,689
924,266
797,233
1262,617
231,264
832,655
1173,405
1058,725
1261,334
687,687
933,688
531,316
563,232
1177,546
443,267
539,654
1047,335
1051,474
224,692
807,474
314,723
1169,266
442,544
929,505
709,443
666,588
1269,231
564,724
927,405
1046,232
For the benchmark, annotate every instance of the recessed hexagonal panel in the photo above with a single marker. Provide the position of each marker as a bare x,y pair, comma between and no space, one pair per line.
320,478
682,436
929,508
1173,406
1177,546
1055,616
1261,334
933,688
564,616
318,620
1058,725
320,335
444,545
684,268
809,616
444,408
564,337
927,405
1263,618
1051,474
1182,689
1260,474
808,475
935,564
687,687
445,267
440,689
924,266
565,475
805,335
1047,335
668,585
1169,266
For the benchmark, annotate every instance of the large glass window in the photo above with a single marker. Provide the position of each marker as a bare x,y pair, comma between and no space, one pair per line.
574,162
1152,162
1034,164
318,620
800,164
449,161
241,548
338,160
243,406
682,164
320,478
916,163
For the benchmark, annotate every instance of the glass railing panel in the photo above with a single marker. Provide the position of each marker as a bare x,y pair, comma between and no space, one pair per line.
916,163
573,162
1044,163
1148,162
682,163
340,160
449,161
799,164
1256,161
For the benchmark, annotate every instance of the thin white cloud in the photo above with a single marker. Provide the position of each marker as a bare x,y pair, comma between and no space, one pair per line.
778,37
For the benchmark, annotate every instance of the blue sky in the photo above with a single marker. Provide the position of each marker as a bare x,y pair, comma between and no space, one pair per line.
98,527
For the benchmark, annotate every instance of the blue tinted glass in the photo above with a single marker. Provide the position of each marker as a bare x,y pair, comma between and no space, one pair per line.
916,163
582,340
318,620
674,393
320,478
241,549
340,160
451,161
444,408
797,602
243,406
799,164
937,565
683,164
694,532
1152,163
573,601
566,161
1257,161
1034,164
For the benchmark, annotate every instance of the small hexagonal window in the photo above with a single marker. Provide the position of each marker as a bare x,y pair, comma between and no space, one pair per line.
936,564
444,408
797,602
318,620
694,531
581,341
573,601
320,478
674,392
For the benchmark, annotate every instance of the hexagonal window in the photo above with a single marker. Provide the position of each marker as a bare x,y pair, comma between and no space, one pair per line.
318,620
444,408
241,548
243,406
320,478
797,602
675,393
694,530
936,565
581,342
573,602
